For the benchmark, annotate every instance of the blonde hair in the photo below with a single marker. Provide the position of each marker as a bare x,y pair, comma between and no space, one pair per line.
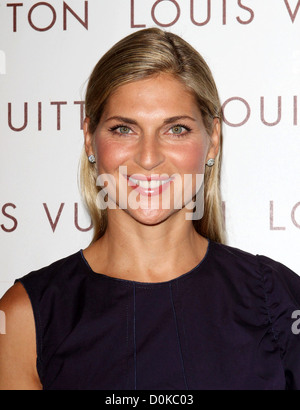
140,55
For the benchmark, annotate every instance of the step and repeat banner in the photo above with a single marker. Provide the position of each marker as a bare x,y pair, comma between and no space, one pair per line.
47,51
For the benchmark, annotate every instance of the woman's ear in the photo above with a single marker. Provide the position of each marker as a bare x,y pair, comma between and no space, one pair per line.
214,139
88,138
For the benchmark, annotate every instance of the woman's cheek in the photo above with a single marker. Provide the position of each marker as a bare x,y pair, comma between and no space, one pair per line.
190,159
111,155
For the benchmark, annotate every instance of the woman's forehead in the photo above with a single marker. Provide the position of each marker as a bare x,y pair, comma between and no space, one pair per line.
162,91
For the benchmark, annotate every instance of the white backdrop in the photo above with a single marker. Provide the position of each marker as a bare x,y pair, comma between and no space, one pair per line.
47,51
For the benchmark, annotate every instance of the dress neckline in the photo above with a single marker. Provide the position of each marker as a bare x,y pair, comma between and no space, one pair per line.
133,282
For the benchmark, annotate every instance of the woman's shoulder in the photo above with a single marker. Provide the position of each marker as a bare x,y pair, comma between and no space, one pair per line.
25,305
263,288
18,347
234,255
277,280
18,297
15,302
57,272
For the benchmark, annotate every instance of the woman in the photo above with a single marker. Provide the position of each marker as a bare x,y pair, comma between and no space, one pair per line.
157,301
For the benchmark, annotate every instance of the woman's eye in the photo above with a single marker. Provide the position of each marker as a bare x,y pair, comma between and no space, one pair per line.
121,129
124,130
177,129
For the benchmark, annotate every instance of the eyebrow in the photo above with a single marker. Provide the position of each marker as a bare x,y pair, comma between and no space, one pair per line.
166,121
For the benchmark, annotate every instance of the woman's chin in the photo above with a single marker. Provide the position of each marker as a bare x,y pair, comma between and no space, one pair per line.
150,216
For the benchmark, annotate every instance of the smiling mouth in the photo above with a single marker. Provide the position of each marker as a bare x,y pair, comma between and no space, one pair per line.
149,185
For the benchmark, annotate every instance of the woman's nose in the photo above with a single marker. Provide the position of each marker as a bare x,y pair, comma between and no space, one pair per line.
149,153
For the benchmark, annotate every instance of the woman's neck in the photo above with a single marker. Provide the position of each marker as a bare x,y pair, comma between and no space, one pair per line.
134,251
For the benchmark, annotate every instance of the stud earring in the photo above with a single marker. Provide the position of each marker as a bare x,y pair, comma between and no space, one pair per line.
92,159
210,162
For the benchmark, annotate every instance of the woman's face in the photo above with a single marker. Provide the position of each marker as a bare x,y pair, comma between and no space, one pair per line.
151,143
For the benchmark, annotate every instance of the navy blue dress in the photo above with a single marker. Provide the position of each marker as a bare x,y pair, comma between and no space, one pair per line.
226,324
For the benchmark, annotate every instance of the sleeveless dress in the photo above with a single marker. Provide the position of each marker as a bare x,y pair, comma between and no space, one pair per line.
228,324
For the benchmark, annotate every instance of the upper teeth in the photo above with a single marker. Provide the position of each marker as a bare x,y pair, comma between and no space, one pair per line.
149,184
